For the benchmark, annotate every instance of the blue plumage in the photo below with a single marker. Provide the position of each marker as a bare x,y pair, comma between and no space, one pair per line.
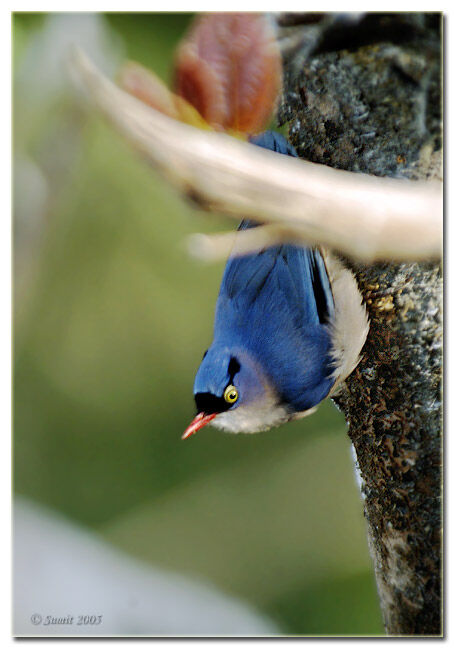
272,339
276,305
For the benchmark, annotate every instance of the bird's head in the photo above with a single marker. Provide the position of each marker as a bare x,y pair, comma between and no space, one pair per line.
232,392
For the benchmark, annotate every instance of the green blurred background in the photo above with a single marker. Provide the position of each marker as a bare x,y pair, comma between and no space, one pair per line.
111,318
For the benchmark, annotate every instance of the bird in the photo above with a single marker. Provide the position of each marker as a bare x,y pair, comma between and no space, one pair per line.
290,324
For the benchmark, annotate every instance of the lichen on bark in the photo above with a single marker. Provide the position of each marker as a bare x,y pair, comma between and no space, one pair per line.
365,95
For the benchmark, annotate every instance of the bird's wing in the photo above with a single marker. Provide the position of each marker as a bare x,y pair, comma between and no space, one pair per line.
297,274
276,305
290,274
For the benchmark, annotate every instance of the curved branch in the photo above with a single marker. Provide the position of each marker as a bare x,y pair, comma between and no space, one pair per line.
364,217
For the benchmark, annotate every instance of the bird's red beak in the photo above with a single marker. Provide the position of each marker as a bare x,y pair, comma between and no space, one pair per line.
199,421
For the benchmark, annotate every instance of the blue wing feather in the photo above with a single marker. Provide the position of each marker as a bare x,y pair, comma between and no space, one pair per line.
276,304
274,142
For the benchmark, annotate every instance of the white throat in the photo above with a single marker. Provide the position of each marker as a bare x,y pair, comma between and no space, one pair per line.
256,417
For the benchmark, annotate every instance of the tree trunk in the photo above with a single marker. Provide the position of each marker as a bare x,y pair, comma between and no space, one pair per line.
362,93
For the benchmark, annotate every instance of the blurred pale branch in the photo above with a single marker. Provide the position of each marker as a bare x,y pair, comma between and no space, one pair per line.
364,217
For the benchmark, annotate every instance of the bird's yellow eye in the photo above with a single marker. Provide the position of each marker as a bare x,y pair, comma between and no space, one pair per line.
230,394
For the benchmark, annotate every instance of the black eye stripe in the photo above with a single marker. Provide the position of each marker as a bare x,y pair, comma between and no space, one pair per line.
210,404
234,367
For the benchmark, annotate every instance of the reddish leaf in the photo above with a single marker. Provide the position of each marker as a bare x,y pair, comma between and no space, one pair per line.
229,68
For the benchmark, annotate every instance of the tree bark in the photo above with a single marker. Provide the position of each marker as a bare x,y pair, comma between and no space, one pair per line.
363,93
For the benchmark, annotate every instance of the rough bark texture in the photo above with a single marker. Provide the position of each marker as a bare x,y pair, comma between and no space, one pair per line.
363,93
